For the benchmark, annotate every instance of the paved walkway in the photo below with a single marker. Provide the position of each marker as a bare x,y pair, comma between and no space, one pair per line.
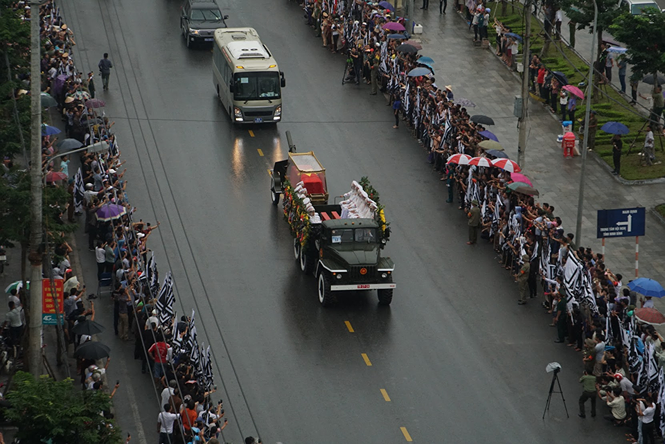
479,76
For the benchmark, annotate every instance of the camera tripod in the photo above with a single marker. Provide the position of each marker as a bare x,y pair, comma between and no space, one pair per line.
555,378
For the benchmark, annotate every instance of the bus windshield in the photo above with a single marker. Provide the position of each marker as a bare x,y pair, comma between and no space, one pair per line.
256,86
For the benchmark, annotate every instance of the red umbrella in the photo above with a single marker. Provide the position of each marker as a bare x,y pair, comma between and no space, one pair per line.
459,159
650,316
517,177
574,90
54,176
507,165
480,161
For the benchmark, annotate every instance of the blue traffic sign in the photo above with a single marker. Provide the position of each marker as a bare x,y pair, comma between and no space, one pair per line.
621,222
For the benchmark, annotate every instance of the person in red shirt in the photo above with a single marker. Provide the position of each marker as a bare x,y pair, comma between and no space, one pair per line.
160,353
541,79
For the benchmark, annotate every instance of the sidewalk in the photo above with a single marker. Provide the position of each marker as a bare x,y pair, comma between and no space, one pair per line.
477,75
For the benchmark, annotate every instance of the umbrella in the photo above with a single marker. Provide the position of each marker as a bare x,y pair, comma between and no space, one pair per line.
489,135
497,153
95,103
507,165
413,43
650,316
92,350
574,90
88,328
523,188
490,145
615,128
513,35
561,77
484,120
464,102
54,176
407,49
617,50
385,5
394,26
69,144
110,212
425,60
647,287
396,36
48,130
431,68
459,159
16,286
517,177
481,162
649,79
47,100
417,72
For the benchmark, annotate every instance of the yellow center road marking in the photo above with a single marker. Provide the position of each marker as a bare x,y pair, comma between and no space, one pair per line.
269,172
406,434
251,133
367,361
348,325
260,152
385,395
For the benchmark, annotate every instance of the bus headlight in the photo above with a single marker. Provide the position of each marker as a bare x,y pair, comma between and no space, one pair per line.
278,111
237,113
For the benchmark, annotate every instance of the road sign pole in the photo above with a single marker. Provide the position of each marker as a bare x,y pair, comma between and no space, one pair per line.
637,254
603,248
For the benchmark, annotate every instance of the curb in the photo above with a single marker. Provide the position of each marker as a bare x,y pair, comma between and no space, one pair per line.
659,217
598,159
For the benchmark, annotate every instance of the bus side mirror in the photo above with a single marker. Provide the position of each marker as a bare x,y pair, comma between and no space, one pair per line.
283,81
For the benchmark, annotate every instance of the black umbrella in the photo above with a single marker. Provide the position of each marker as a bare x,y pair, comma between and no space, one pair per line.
483,120
92,350
649,79
407,49
88,328
561,77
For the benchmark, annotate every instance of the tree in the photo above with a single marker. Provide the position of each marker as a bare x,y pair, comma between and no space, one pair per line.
582,12
644,35
44,409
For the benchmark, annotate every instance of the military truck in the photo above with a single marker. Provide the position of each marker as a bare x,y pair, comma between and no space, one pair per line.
340,244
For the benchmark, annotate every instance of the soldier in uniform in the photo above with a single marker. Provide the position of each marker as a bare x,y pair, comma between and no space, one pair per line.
474,222
374,72
523,280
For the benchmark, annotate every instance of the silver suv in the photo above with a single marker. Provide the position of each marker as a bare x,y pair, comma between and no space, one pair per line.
199,20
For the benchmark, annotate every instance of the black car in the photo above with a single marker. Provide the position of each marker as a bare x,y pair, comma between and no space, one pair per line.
199,20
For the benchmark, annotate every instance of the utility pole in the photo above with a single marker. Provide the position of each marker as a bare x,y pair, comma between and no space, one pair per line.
524,127
36,232
587,113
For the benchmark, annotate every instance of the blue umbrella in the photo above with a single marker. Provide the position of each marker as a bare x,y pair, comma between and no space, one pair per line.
385,5
429,66
496,153
513,35
417,72
425,60
615,128
396,36
647,287
48,130
561,77
489,135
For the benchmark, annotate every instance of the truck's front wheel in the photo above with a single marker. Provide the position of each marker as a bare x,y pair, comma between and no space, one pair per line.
296,248
325,293
385,296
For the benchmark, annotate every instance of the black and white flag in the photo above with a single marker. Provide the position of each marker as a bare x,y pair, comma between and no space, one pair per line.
165,301
79,192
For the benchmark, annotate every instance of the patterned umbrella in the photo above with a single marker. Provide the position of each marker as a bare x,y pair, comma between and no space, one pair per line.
507,165
480,161
459,159
111,212
16,286
650,316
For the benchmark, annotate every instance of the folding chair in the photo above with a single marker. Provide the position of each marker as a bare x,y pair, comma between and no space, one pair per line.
105,281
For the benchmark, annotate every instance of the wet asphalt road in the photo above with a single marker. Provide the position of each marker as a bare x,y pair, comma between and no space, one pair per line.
458,360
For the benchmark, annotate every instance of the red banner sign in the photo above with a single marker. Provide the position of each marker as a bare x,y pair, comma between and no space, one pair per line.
48,304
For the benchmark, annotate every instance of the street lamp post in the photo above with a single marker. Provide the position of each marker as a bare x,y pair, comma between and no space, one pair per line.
587,113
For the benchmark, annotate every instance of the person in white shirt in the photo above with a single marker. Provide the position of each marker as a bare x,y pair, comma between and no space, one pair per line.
165,421
100,256
645,411
168,392
648,155
647,302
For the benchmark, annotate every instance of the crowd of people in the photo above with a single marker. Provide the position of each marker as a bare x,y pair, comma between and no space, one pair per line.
590,306
143,311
